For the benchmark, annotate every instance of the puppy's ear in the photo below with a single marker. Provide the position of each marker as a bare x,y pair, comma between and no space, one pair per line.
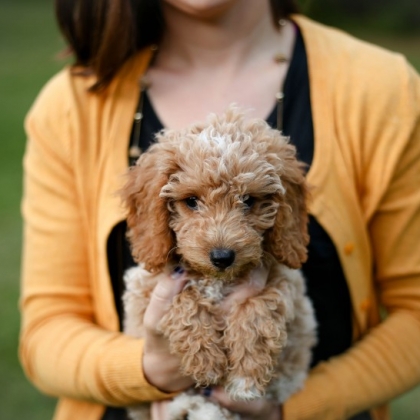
148,217
288,238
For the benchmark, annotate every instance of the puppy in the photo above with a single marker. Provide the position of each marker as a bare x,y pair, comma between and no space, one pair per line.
219,199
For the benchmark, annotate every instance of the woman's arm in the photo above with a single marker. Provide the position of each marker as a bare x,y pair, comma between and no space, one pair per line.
62,349
386,362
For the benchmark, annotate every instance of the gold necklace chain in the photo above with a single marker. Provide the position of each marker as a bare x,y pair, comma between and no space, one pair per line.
135,151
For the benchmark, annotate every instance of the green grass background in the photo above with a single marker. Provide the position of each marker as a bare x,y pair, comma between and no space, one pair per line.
29,43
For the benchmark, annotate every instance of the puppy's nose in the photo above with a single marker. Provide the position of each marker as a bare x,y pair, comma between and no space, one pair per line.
222,258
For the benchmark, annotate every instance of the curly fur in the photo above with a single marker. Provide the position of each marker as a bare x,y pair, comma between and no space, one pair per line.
261,346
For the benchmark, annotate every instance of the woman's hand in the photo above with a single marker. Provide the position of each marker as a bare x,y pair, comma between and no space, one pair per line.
261,409
160,367
159,410
257,280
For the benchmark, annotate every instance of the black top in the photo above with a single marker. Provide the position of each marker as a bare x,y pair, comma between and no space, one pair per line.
326,284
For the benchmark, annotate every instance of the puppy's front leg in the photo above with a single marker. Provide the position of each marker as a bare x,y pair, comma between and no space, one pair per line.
195,335
254,337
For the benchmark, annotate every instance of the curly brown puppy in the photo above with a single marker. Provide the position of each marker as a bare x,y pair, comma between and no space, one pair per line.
221,198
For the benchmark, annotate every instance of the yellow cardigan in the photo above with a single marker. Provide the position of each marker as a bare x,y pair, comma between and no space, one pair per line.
366,194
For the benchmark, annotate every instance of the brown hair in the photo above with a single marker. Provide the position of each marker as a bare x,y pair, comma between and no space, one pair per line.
103,34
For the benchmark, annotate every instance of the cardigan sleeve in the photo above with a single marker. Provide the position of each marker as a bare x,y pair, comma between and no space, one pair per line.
62,349
386,362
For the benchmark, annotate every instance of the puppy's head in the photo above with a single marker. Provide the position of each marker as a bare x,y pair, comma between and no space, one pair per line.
218,196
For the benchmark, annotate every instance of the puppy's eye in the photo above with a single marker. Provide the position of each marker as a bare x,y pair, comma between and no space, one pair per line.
248,201
192,203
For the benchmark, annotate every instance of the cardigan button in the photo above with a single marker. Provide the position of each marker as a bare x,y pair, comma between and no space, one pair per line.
349,248
366,305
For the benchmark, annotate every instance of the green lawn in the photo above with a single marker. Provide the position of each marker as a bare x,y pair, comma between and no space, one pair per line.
29,43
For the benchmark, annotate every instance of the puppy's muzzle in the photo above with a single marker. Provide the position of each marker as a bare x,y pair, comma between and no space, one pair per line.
222,258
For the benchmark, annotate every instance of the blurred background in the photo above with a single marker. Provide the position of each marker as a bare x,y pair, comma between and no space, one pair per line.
29,47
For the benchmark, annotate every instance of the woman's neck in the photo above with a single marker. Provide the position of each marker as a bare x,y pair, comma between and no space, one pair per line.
207,62
238,35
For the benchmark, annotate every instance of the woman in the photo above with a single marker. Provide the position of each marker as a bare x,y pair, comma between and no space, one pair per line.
351,109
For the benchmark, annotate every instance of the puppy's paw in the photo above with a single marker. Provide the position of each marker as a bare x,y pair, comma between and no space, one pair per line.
195,336
206,366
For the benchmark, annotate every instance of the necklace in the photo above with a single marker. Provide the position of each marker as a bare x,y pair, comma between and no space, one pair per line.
135,151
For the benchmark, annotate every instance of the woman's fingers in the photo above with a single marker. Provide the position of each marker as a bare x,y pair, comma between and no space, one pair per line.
250,407
256,283
168,286
160,367
260,409
259,276
159,410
